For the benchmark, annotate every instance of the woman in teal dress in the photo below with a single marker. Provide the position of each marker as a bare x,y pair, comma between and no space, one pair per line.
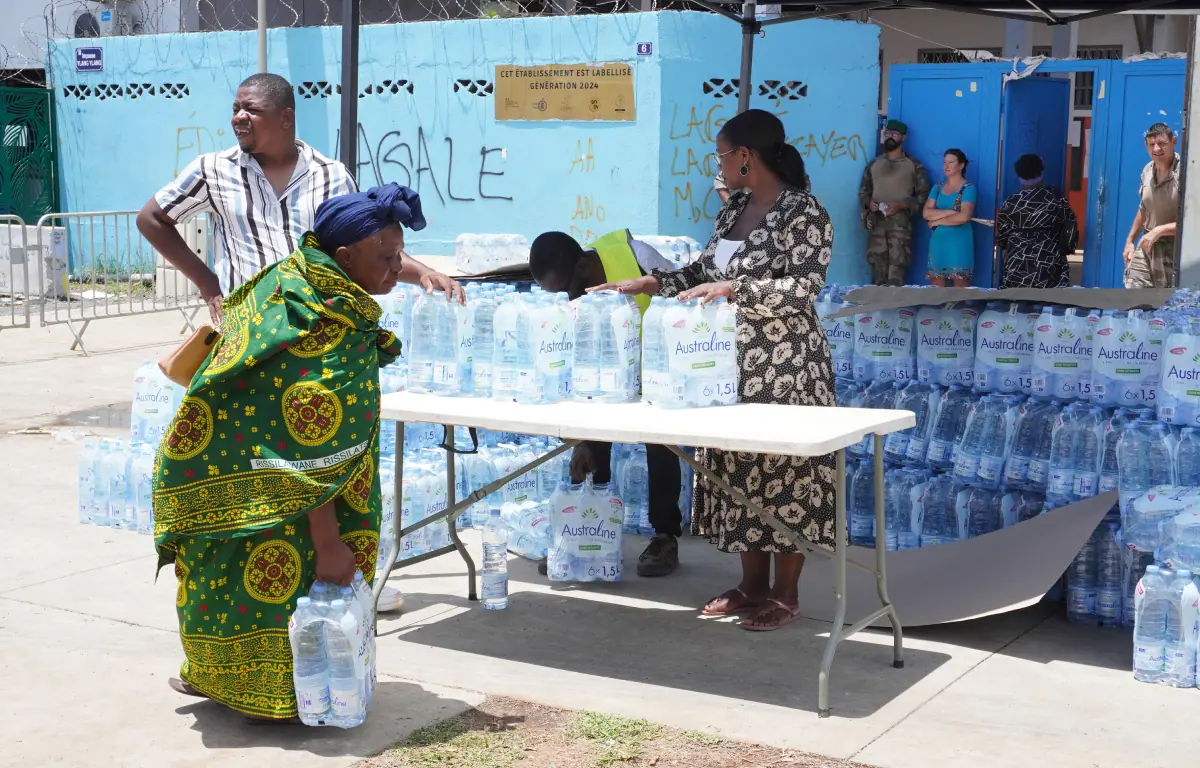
948,211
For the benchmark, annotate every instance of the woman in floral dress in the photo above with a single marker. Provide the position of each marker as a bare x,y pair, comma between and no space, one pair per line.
768,255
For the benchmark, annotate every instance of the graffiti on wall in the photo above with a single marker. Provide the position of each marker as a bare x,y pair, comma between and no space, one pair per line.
588,213
435,166
691,141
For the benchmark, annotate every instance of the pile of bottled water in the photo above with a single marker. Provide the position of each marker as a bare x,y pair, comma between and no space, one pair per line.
332,634
538,347
1022,409
115,477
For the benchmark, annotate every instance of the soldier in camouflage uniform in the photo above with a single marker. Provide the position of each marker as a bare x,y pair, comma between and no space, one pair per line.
893,190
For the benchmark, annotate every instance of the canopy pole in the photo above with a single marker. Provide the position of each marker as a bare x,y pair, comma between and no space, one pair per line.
749,30
348,153
262,35
1187,240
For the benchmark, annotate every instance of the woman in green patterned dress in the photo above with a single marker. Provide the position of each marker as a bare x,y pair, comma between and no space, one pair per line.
267,479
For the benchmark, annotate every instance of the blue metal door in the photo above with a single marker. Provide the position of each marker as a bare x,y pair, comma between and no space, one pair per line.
1139,94
1037,115
951,106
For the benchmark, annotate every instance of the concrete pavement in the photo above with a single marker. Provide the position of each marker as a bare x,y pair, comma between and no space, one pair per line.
88,639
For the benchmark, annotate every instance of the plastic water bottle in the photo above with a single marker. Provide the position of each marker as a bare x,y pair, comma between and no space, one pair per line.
86,468
862,510
1109,468
464,316
494,571
1016,466
118,484
142,486
423,347
1087,453
1039,463
921,399
610,354
345,694
100,514
1108,578
585,359
993,440
509,322
1150,627
948,425
983,512
939,524
310,666
634,482
1187,457
967,453
1062,456
484,343
1179,651
655,370
445,344
1081,583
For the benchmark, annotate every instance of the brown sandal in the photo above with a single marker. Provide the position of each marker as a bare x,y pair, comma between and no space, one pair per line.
736,601
179,686
772,606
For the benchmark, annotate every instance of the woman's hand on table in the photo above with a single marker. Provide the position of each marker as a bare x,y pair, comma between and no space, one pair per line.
647,284
708,292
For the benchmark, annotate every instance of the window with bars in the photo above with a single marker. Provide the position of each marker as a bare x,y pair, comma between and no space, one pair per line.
1085,82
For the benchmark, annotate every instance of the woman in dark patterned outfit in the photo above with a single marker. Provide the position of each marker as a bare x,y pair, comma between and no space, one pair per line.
768,255
1036,229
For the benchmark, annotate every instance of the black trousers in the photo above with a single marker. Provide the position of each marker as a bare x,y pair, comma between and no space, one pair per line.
665,483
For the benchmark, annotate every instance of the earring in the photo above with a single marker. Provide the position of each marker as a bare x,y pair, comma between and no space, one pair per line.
744,170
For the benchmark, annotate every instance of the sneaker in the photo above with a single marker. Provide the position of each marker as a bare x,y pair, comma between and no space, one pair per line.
390,600
661,557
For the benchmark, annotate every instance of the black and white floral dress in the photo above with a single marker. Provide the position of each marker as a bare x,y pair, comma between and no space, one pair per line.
783,358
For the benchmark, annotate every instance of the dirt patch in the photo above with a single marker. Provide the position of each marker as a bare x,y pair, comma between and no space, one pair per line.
507,733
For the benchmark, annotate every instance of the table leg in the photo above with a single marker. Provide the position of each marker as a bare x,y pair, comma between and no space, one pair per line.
452,520
839,560
881,559
380,580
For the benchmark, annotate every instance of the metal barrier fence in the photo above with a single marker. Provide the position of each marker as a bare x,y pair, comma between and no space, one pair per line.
96,265
14,273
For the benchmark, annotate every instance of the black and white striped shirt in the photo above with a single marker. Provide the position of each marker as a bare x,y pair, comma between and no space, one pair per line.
253,226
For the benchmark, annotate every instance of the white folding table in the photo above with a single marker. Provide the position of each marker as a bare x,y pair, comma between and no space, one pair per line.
783,429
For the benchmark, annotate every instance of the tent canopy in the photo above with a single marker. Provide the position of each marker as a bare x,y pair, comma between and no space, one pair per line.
1052,12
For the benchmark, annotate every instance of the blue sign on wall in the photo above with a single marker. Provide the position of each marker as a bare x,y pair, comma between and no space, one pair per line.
89,59
645,49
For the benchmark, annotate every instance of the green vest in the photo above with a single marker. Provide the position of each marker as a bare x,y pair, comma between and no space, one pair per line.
616,254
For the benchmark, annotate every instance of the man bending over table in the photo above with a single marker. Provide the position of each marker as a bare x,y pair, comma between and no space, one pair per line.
560,264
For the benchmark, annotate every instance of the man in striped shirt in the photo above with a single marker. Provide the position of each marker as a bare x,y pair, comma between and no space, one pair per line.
263,196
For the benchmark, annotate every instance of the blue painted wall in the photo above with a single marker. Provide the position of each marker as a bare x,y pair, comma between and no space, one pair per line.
120,142
827,92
